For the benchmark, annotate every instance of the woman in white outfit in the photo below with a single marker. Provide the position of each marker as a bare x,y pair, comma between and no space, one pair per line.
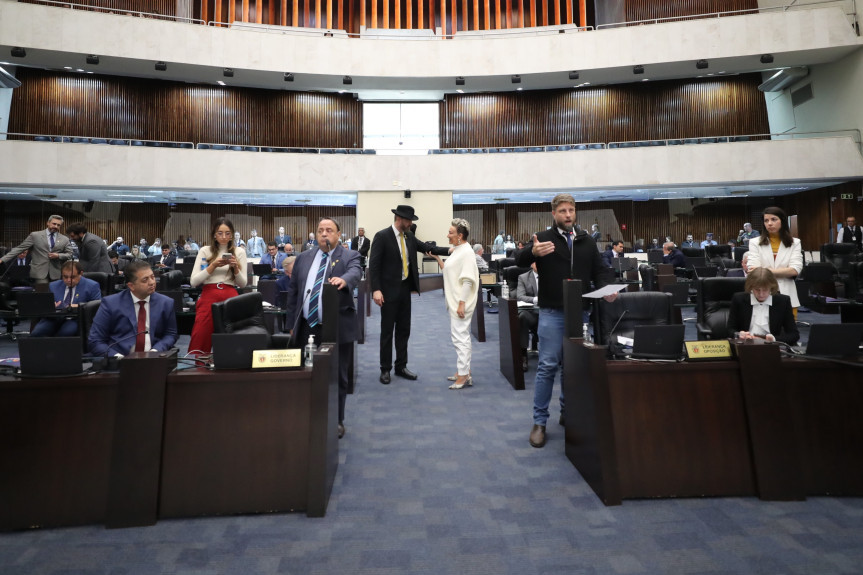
461,284
777,250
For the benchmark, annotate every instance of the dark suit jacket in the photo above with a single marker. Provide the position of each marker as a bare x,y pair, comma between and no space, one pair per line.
782,324
169,261
385,262
93,254
675,258
87,290
367,243
526,290
343,264
116,323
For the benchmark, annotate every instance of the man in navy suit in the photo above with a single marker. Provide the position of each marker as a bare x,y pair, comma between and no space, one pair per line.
394,276
339,267
122,325
69,292
165,261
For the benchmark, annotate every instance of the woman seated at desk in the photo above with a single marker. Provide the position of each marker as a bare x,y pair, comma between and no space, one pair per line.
761,311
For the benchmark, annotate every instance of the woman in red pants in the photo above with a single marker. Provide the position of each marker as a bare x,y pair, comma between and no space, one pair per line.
220,269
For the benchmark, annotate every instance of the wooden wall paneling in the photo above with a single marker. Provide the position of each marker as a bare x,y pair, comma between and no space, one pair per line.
533,13
409,14
205,10
329,14
386,14
421,15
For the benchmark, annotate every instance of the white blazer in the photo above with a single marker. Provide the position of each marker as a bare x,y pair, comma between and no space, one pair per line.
762,257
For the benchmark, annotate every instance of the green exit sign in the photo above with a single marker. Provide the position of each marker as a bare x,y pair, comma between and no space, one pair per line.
847,196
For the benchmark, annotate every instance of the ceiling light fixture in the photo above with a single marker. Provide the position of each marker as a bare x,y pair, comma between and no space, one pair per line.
228,72
516,79
573,75
638,69
93,59
289,77
161,66
767,58
347,80
459,81
19,52
701,64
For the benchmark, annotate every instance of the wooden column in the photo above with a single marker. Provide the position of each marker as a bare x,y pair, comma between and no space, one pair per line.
374,13
398,15
497,14
443,16
420,16
487,20
582,13
362,13
557,12
569,19
533,13
454,17
409,7
508,14
329,13
244,12
545,12
341,14
205,9
317,13
386,15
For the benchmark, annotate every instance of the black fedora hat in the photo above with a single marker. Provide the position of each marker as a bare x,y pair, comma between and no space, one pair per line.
406,212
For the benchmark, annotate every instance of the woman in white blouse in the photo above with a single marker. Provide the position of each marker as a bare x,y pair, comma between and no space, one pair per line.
220,268
777,250
461,285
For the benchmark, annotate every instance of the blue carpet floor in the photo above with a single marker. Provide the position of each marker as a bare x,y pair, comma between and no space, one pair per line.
434,481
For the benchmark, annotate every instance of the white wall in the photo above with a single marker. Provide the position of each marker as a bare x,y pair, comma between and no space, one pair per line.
838,92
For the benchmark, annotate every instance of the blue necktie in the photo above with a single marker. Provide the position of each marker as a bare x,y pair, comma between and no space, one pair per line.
314,302
51,238
67,301
569,240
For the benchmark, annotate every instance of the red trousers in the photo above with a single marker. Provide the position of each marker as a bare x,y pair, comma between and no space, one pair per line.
202,331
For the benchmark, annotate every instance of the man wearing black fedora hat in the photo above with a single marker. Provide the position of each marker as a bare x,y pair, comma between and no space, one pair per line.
393,276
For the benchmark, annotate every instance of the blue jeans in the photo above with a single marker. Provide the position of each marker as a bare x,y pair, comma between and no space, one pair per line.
550,331
55,327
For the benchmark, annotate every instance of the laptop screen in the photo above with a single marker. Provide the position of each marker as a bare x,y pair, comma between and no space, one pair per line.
834,339
658,342
235,350
50,356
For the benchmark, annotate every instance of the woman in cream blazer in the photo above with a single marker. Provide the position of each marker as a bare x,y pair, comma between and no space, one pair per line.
777,250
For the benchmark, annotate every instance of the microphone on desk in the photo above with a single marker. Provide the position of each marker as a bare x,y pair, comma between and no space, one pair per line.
110,363
615,349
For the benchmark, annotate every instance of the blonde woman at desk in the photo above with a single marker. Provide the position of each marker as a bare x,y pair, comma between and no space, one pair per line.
778,251
461,282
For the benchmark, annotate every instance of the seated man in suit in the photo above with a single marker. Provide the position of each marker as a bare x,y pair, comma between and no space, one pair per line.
165,261
273,258
672,255
615,251
136,319
69,292
761,311
284,282
528,319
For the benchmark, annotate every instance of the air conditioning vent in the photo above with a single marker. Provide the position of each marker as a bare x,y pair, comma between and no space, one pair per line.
802,95
784,78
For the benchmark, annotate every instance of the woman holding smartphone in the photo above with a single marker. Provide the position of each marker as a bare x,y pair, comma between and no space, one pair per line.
220,269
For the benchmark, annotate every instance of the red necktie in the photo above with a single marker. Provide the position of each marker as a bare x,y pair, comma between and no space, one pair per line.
142,327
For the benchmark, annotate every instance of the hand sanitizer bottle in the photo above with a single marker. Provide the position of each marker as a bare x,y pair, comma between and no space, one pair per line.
309,352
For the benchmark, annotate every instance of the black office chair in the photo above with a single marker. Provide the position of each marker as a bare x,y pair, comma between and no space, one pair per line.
511,275
171,280
631,309
86,313
269,290
648,277
840,255
738,254
715,254
245,314
692,252
105,281
712,305
817,279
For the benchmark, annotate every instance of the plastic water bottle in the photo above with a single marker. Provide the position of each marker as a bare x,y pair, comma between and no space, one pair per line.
309,352
504,290
586,333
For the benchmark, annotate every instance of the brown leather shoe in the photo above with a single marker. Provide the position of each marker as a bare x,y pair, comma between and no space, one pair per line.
537,436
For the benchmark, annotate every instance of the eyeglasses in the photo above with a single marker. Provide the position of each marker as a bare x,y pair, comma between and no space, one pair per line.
225,234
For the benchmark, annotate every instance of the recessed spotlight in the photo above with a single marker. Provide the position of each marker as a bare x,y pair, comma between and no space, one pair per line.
289,77
220,83
67,67
459,81
701,64
93,59
516,79
573,75
519,89
460,91
638,69
19,52
228,72
347,80
161,66
767,58
646,80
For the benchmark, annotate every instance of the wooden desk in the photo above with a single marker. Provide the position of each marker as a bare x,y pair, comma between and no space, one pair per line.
477,321
636,429
241,443
510,346
126,449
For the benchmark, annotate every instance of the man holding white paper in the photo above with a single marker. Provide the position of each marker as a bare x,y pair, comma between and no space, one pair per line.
560,253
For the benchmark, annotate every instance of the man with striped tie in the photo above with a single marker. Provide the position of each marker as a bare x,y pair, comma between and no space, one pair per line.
328,262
